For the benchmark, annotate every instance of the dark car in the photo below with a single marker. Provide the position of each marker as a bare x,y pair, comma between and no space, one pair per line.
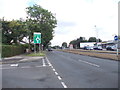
112,48
49,49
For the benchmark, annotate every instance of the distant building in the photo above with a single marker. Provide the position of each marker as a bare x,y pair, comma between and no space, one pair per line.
91,44
103,44
71,46
110,43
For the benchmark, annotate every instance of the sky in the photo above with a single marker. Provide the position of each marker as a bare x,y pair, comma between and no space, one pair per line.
75,18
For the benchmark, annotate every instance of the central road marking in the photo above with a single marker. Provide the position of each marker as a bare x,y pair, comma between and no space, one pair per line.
92,64
63,84
58,76
26,67
43,62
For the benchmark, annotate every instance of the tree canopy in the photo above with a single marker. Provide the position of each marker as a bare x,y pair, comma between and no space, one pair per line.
64,44
76,43
38,20
41,20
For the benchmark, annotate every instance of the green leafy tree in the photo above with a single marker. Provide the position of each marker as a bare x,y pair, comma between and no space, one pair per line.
76,43
92,39
12,31
6,32
41,20
64,44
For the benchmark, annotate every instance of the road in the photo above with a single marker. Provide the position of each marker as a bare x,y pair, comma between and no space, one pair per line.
79,71
62,70
29,74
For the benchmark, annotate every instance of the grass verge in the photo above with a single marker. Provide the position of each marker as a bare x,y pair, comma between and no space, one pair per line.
99,55
37,54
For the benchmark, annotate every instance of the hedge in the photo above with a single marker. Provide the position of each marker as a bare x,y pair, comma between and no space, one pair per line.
12,50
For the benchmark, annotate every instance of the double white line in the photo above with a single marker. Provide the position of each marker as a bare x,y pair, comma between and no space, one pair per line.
43,62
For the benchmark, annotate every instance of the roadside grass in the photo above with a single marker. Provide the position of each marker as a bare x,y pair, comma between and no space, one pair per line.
99,55
37,54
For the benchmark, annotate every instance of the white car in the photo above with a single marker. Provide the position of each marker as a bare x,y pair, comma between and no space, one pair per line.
97,47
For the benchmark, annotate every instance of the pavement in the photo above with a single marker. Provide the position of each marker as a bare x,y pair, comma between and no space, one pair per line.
19,58
59,70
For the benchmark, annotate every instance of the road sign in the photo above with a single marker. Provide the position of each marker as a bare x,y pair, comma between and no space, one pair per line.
116,38
37,37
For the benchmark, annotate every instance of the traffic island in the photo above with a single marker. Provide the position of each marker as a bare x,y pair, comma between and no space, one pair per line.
23,58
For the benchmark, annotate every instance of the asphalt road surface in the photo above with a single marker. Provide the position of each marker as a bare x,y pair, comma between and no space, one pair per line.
62,70
79,71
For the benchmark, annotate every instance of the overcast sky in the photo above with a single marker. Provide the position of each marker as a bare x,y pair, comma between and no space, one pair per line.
75,17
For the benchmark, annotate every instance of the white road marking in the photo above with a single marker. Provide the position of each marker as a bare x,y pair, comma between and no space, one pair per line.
49,62
24,59
25,67
8,68
92,64
59,78
20,67
44,63
14,65
53,69
63,84
51,66
56,73
38,66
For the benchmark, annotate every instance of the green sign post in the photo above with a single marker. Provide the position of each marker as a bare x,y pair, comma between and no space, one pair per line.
37,40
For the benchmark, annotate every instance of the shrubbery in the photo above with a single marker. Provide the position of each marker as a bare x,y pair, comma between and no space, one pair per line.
12,50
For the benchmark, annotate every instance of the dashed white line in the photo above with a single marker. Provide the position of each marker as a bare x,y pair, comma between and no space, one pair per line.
14,65
63,84
59,78
56,73
92,64
25,67
53,69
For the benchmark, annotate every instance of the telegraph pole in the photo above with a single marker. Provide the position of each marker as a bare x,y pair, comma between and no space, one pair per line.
96,34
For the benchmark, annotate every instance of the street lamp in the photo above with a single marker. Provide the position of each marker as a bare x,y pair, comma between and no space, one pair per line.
97,40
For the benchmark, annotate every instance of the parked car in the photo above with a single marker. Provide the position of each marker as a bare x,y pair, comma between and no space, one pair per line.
88,47
112,47
97,47
49,49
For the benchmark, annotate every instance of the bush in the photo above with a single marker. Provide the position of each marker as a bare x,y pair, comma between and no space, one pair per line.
12,50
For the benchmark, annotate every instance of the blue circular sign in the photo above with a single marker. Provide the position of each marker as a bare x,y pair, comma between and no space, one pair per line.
115,38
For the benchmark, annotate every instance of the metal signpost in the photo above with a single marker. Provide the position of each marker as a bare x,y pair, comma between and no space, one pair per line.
116,39
37,40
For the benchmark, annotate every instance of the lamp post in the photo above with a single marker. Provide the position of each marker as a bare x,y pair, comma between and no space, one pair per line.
97,40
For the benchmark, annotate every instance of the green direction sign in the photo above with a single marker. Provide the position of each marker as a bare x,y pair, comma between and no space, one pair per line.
37,37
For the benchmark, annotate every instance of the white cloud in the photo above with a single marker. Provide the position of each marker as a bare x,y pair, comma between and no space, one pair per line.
13,9
85,14
75,17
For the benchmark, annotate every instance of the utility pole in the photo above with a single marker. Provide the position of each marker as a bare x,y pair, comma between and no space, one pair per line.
97,40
